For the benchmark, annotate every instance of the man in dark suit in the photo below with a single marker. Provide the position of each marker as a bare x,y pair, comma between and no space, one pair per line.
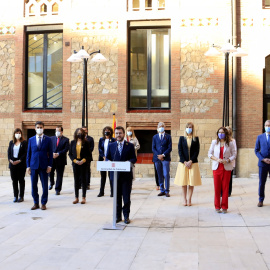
262,151
122,151
92,145
60,146
162,147
39,163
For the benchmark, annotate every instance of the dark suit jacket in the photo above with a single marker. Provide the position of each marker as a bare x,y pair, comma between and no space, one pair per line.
162,147
101,147
262,150
183,149
85,151
39,158
61,149
128,154
91,145
21,155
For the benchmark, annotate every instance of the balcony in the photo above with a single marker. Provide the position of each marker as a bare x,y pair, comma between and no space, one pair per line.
145,5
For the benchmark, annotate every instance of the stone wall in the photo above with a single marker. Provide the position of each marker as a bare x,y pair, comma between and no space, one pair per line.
95,106
6,131
102,78
7,67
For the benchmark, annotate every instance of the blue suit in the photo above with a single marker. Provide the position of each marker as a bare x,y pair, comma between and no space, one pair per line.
262,150
162,147
38,160
124,179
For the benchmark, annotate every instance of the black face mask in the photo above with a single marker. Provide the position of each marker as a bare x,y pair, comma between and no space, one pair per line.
107,133
80,136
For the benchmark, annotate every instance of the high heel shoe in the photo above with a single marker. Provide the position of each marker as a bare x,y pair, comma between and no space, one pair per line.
15,199
76,201
83,200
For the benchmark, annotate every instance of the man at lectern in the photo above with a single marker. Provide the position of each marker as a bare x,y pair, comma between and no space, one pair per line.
122,150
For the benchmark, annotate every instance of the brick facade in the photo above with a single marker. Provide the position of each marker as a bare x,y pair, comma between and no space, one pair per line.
196,80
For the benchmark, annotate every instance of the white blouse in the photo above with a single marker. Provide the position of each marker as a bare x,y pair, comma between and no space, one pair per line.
106,146
16,149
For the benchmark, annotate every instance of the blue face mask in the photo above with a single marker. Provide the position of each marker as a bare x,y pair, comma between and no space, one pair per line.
188,130
221,136
161,129
267,129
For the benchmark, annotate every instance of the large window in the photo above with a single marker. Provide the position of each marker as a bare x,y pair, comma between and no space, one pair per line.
44,80
149,68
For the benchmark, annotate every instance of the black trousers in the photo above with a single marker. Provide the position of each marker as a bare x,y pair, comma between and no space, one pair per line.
59,176
123,191
103,182
79,172
17,174
88,173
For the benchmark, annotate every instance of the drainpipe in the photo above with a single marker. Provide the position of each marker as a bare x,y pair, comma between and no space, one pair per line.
234,73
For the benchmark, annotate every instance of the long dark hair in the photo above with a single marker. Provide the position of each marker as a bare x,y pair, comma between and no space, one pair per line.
76,136
227,137
110,129
14,138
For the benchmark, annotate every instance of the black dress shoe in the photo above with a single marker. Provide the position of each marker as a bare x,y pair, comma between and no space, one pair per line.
161,194
50,187
127,220
15,199
168,195
111,195
100,195
20,199
57,193
118,220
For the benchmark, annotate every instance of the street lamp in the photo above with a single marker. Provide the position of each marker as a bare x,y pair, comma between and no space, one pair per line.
237,52
80,56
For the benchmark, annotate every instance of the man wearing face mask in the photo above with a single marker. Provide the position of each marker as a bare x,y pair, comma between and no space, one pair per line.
92,145
262,151
162,147
39,163
60,146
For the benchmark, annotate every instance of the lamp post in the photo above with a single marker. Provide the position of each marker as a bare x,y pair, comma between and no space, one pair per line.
80,56
237,52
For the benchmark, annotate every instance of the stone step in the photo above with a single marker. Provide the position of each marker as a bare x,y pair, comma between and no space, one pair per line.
254,175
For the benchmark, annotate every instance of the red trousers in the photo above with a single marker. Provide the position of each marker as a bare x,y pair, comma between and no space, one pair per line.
221,182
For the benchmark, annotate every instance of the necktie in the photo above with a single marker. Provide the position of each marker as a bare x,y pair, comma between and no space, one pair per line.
161,137
39,143
120,148
58,139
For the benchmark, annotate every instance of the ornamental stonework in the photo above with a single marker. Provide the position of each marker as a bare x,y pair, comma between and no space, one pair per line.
195,70
102,78
94,106
7,67
6,106
196,105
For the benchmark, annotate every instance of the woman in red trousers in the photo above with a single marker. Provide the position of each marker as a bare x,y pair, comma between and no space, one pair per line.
222,152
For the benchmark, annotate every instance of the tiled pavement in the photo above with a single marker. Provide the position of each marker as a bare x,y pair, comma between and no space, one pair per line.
162,234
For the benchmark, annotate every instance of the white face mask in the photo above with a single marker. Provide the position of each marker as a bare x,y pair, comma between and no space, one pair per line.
18,136
129,133
39,131
161,129
57,133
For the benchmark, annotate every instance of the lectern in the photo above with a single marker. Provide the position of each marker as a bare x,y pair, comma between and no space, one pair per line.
114,166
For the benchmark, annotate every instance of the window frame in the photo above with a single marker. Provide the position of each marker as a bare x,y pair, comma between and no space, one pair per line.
264,6
45,50
149,70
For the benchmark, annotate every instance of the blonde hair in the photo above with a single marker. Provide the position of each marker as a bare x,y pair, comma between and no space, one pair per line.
229,129
133,136
193,129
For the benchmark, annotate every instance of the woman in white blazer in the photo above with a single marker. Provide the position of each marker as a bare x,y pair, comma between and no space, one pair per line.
222,152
